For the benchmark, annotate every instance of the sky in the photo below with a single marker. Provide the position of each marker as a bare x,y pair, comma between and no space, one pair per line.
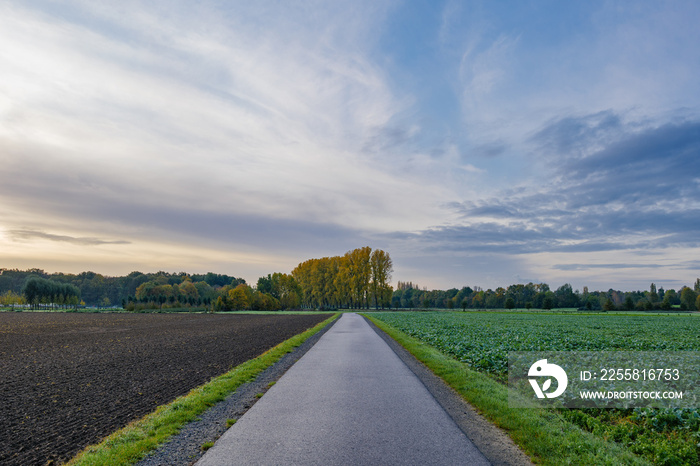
480,143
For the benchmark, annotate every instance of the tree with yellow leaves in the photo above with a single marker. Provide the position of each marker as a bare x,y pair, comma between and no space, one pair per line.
351,280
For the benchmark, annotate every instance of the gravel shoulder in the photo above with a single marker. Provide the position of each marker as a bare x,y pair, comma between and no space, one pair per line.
493,442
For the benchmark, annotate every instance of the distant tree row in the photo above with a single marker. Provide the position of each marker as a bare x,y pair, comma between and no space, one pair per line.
243,297
358,279
40,291
282,287
184,294
138,291
277,291
540,296
100,290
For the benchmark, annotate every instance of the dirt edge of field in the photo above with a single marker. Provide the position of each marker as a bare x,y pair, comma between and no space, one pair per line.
185,448
493,442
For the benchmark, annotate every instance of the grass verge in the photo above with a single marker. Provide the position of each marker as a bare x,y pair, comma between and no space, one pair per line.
131,444
542,434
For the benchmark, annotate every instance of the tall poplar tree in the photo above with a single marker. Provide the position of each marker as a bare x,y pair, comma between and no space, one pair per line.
381,275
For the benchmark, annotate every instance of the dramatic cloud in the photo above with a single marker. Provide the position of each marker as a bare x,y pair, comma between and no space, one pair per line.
635,190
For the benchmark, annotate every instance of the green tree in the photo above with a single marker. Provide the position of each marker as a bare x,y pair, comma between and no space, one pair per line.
548,302
39,290
653,295
566,297
688,298
264,284
672,296
666,304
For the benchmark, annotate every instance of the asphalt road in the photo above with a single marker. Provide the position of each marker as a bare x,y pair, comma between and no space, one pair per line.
349,400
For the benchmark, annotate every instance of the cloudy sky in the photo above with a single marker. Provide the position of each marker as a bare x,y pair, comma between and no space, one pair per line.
478,142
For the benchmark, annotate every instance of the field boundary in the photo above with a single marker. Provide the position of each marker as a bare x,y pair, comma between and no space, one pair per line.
193,440
494,443
542,434
129,445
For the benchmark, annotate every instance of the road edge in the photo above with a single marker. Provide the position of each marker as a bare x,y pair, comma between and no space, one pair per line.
185,448
493,442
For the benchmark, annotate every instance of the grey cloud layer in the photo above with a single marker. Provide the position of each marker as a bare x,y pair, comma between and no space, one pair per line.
640,190
145,218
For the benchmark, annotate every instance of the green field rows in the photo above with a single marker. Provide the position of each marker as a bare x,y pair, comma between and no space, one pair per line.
482,342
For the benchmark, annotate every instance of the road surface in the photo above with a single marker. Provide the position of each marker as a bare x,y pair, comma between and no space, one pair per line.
349,400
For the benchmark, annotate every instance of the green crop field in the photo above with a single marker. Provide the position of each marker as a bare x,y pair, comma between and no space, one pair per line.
482,342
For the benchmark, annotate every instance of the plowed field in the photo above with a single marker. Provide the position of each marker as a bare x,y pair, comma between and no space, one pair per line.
68,380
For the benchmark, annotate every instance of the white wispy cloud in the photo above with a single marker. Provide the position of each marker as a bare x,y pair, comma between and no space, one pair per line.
258,119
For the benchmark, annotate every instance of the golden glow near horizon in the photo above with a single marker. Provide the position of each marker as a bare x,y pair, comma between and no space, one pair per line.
64,253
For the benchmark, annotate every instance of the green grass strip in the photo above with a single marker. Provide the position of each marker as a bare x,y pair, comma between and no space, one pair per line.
542,434
131,444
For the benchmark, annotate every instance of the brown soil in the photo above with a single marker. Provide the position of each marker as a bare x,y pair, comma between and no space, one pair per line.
69,380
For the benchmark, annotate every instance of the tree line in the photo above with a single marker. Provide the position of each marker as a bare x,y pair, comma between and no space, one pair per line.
138,291
274,292
42,292
540,296
99,290
358,279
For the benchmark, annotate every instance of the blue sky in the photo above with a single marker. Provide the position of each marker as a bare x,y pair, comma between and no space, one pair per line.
479,143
